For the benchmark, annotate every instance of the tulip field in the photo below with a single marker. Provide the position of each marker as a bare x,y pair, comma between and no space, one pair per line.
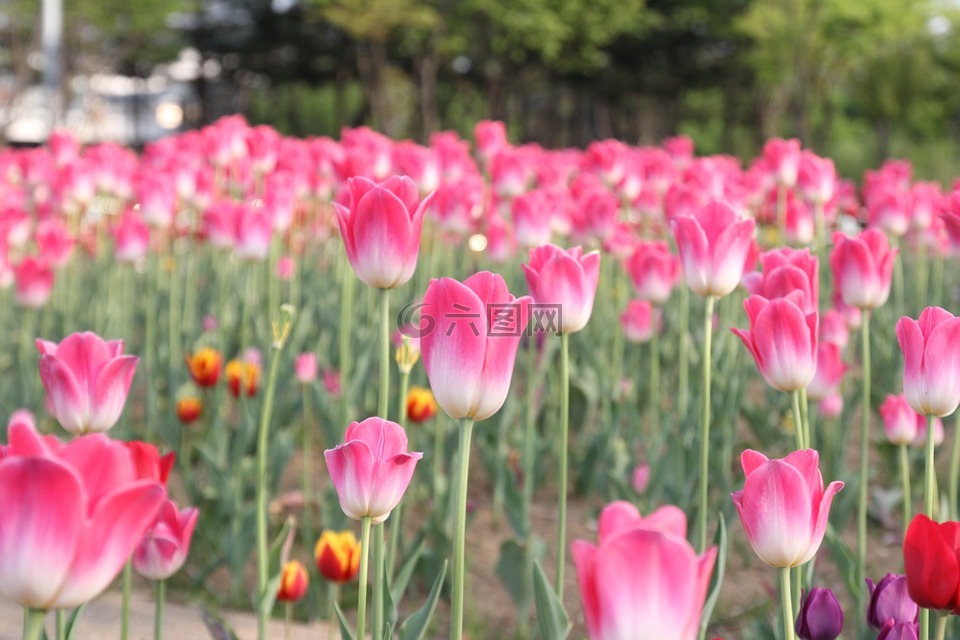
479,390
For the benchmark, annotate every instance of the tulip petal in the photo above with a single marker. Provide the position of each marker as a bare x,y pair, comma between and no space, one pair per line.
110,389
101,463
108,540
584,557
940,388
392,476
351,467
43,509
382,229
66,399
385,438
822,516
454,350
776,511
930,564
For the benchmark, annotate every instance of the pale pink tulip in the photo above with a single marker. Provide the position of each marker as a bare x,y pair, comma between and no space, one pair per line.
567,279
371,469
381,230
166,544
131,238
787,270
817,178
899,420
87,380
931,354
469,334
783,159
653,270
663,600
863,268
305,368
639,320
830,369
531,218
782,340
783,506
72,515
34,282
713,248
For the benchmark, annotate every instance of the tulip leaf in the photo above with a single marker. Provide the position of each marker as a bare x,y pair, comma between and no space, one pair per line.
720,539
552,619
389,606
845,560
415,626
345,632
402,579
71,625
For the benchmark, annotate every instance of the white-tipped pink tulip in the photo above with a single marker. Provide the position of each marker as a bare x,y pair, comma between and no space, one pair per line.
87,380
713,245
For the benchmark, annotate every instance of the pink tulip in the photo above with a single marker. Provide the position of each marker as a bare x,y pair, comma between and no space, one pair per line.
899,420
889,210
831,406
72,515
782,340
491,137
131,238
817,178
166,544
863,268
653,270
54,242
252,232
713,248
783,158
663,600
931,354
87,380
833,328
468,348
531,218
565,278
639,321
783,506
305,368
787,270
34,282
381,230
830,369
372,468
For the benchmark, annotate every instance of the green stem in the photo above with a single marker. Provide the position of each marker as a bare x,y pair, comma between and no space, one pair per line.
898,280
33,623
384,404
346,356
705,424
955,468
797,419
942,627
930,480
787,603
530,436
864,462
125,600
439,477
821,229
460,529
364,568
653,399
307,392
158,612
174,352
905,478
562,480
781,214
376,628
924,624
397,515
61,628
683,398
808,442
150,354
263,441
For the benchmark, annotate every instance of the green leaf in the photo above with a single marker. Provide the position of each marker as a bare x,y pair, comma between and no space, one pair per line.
415,626
720,539
345,632
402,579
389,606
552,619
845,560
71,625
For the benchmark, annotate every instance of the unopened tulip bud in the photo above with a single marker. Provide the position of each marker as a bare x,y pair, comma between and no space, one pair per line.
821,617
338,556
293,582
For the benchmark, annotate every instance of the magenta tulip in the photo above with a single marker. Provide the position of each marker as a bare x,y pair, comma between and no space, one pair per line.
165,546
639,321
783,159
783,506
713,245
653,270
664,599
830,369
87,380
782,340
900,421
931,354
567,279
470,332
381,230
787,270
863,268
72,515
372,468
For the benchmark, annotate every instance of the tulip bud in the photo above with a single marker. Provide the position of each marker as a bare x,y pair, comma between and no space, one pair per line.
305,368
189,409
338,556
204,366
821,617
293,582
421,405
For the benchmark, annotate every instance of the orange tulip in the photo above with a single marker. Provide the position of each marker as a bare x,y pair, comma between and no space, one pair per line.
293,582
204,366
338,556
421,405
189,409
243,374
